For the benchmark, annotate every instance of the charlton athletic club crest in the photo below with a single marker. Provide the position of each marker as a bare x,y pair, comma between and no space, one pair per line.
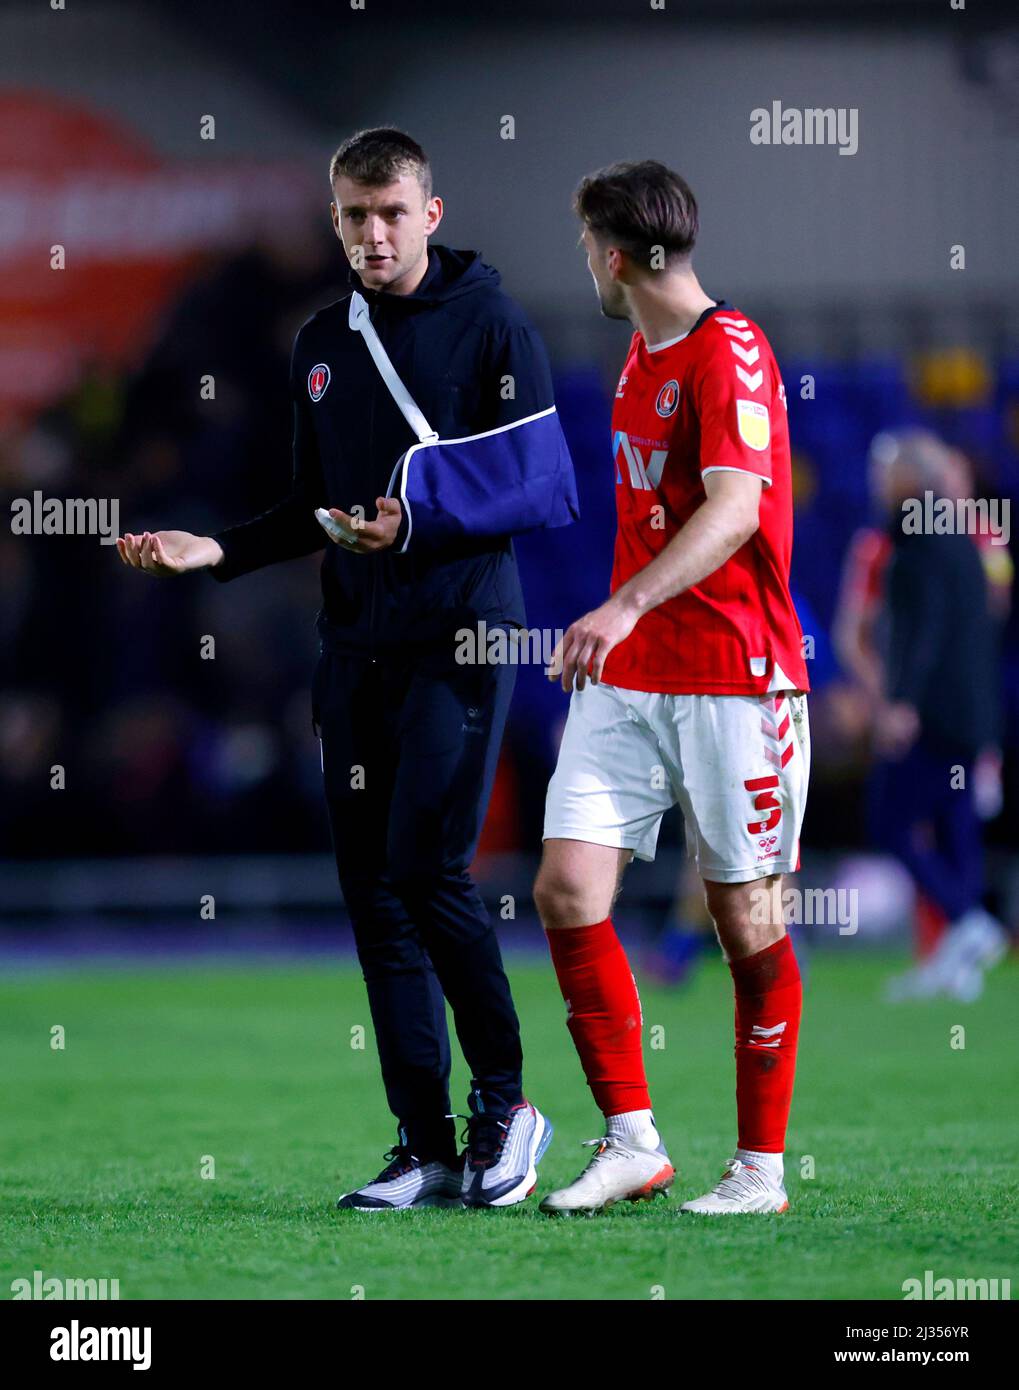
318,380
668,399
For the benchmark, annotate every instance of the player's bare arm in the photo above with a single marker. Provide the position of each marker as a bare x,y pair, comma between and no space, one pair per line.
724,522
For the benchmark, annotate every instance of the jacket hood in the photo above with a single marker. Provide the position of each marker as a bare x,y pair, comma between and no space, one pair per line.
450,275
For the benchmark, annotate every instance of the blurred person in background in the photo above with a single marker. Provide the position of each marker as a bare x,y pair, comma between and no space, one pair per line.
925,648
856,634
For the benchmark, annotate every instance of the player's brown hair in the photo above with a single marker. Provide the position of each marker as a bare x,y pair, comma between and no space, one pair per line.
640,206
378,156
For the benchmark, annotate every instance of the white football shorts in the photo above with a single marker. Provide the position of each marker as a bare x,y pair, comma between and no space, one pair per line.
737,766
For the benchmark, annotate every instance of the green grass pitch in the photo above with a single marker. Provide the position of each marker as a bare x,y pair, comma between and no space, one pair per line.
912,1142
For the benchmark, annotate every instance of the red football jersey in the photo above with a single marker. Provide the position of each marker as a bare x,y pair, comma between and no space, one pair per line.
712,399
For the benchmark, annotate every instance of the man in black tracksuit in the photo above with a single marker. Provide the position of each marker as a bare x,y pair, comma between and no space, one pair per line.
939,713
410,738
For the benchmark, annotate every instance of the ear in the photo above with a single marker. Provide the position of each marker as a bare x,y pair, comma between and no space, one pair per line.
433,215
334,213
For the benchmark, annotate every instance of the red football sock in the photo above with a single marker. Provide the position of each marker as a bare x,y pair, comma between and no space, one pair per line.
769,997
603,1014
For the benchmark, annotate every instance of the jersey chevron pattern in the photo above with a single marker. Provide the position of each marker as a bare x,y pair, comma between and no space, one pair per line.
711,399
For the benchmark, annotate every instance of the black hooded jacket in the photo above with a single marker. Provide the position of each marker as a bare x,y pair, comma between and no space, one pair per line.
472,362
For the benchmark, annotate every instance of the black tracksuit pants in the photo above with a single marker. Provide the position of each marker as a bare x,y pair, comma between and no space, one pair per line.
409,750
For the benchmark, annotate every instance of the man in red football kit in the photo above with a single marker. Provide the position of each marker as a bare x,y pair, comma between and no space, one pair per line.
687,687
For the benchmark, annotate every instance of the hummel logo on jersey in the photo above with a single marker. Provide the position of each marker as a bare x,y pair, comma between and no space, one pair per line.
749,354
644,476
318,380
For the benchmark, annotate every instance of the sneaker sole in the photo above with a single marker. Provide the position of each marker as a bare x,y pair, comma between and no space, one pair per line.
529,1182
746,1211
657,1186
409,1206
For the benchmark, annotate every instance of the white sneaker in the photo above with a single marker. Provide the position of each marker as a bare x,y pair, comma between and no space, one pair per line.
977,939
742,1187
973,944
923,981
503,1153
404,1183
966,985
618,1172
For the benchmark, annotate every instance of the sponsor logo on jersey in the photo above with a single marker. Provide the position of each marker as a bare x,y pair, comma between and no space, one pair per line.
318,380
754,426
668,399
644,474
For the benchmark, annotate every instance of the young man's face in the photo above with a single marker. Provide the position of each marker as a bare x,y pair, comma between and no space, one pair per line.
604,265
385,230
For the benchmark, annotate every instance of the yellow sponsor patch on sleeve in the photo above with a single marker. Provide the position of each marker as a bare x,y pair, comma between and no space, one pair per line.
754,424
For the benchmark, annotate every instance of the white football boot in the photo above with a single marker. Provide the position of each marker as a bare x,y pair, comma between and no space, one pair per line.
742,1187
620,1171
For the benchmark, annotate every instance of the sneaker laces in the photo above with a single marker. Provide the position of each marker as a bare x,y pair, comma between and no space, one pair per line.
485,1138
399,1160
740,1180
608,1147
